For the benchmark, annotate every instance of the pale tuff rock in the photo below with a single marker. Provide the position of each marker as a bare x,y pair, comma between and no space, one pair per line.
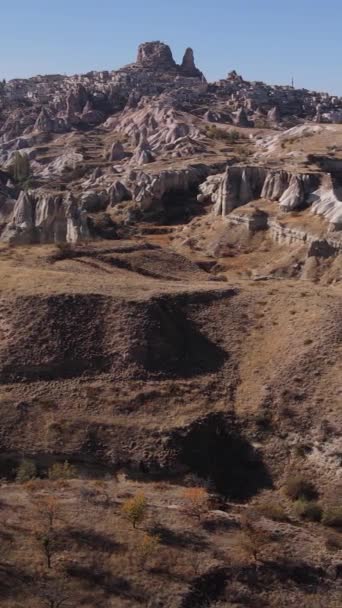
240,185
76,221
149,189
273,116
46,123
63,164
160,123
46,218
158,108
209,189
327,201
23,212
143,154
91,116
76,100
275,184
294,196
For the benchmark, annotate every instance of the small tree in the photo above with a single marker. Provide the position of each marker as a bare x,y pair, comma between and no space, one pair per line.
47,508
134,509
61,470
52,592
254,537
26,471
196,502
146,548
47,543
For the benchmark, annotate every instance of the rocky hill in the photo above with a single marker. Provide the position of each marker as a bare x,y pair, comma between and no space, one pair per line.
90,142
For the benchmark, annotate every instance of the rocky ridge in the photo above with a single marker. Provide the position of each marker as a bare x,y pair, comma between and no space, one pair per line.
145,135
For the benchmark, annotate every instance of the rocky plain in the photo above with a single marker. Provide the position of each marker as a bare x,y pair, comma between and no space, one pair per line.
170,340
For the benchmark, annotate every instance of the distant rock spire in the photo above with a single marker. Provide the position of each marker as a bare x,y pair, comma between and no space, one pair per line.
188,66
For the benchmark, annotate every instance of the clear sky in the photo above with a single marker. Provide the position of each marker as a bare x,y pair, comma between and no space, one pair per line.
268,40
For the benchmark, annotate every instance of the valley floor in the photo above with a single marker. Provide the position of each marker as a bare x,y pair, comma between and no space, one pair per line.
210,391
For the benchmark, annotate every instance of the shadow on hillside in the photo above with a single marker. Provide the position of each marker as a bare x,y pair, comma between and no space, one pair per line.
175,346
215,450
182,539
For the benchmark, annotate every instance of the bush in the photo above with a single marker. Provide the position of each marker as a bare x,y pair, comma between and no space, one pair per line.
332,516
27,470
308,509
61,470
134,509
297,487
272,510
254,538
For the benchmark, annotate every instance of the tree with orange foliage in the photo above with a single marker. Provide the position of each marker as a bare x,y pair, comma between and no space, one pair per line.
134,509
196,502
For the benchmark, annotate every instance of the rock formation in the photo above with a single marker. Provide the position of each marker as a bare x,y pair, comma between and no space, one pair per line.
188,66
160,111
117,152
46,218
155,55
240,185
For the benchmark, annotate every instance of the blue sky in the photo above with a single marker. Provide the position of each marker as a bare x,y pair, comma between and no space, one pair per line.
268,40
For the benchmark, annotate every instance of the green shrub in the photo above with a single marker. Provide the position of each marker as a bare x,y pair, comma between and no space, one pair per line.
27,470
308,509
297,487
332,516
61,470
